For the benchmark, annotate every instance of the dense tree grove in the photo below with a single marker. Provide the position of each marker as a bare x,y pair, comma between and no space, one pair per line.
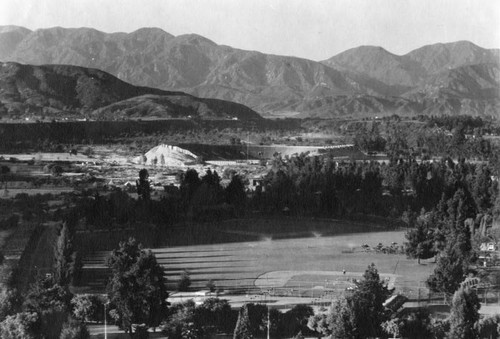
44,312
198,199
324,186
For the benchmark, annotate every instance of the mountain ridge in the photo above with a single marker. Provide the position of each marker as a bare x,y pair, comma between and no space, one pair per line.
268,83
60,90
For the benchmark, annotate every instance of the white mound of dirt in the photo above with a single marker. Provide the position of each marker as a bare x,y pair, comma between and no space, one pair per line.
167,155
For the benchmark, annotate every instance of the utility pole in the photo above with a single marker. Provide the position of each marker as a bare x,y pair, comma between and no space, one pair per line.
268,322
106,303
105,328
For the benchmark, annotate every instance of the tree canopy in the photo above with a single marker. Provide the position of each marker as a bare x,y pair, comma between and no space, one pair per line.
137,286
464,314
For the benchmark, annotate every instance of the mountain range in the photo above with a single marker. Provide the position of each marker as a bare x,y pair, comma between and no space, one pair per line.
60,90
452,78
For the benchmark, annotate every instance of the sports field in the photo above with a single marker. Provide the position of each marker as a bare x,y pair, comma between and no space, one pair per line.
309,265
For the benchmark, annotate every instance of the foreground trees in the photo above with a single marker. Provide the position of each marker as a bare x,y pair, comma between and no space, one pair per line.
45,313
186,320
464,315
421,238
358,315
137,286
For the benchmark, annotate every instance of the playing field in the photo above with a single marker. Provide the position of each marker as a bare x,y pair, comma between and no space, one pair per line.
290,266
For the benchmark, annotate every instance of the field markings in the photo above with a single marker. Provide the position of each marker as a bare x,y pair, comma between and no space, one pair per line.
282,278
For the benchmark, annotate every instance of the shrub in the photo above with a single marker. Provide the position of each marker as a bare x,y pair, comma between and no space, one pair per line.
73,329
184,282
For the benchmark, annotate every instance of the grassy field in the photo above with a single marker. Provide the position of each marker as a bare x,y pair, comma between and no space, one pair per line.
240,266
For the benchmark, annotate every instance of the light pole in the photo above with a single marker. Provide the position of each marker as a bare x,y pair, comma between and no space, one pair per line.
105,320
105,328
268,322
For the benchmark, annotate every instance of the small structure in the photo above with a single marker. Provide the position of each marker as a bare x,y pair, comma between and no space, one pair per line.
488,246
395,302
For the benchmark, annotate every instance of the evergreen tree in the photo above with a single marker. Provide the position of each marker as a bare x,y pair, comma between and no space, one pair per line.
361,314
64,265
190,182
368,299
448,274
243,329
481,188
143,188
464,315
235,193
343,319
420,243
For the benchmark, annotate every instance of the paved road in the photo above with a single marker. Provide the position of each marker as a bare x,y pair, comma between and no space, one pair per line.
97,332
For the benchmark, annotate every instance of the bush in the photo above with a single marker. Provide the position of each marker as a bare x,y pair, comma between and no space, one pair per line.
141,332
21,325
88,307
211,286
10,302
89,151
184,282
73,329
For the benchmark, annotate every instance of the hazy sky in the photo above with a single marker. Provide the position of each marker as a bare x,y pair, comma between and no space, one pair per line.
305,28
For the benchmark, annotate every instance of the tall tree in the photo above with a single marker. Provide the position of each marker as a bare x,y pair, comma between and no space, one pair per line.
143,188
359,315
64,265
243,329
343,319
52,304
368,298
448,274
214,315
464,315
420,243
235,193
182,321
137,286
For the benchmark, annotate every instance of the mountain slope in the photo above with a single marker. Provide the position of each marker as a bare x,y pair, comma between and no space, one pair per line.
479,82
191,63
415,67
363,80
441,57
379,64
63,89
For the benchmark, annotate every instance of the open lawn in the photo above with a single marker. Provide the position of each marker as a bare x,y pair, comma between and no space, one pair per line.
300,261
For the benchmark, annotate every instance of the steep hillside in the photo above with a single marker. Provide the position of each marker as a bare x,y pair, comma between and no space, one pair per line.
363,80
191,63
479,82
61,89
379,64
442,57
415,67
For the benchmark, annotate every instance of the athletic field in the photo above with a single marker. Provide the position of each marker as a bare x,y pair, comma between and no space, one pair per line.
311,265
